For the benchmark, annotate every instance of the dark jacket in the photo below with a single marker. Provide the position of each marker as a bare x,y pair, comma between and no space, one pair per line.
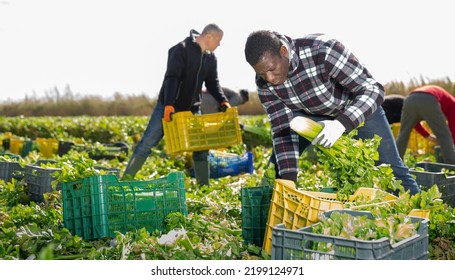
187,69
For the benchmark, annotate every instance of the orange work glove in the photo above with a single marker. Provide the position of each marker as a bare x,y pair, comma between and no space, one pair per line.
224,106
168,111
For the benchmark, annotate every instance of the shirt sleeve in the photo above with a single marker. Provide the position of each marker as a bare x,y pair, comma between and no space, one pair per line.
421,130
285,141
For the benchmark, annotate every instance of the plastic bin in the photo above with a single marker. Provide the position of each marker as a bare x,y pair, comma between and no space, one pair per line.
98,206
228,164
188,133
64,147
433,174
222,165
15,145
295,208
47,146
40,179
11,168
255,210
20,146
113,171
117,150
303,244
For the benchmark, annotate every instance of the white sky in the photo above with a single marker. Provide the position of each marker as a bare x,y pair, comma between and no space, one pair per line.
105,46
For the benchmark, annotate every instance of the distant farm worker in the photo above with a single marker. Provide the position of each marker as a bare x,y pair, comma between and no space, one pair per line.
435,106
392,105
319,78
191,63
209,104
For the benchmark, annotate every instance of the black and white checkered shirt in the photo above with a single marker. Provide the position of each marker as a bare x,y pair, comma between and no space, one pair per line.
325,79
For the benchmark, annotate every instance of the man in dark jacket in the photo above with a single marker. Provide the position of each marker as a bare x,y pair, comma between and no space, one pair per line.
190,63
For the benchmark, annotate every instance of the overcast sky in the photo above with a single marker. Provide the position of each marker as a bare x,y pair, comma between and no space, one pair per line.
105,46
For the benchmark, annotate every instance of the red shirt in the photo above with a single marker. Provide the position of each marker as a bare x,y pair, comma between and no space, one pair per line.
447,102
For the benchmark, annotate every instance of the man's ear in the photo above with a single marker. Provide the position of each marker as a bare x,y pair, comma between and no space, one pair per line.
284,51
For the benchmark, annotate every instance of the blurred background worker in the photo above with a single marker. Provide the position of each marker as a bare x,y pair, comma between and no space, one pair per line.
191,63
436,106
392,105
210,105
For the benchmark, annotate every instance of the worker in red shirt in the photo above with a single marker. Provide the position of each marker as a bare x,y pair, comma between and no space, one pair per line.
436,106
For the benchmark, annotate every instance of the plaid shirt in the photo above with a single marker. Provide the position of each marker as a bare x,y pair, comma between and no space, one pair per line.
324,79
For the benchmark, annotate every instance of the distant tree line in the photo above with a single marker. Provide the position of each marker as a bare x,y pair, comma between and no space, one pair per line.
55,103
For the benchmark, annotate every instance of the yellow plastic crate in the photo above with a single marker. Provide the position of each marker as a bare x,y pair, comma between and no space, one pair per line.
15,145
47,146
296,209
188,132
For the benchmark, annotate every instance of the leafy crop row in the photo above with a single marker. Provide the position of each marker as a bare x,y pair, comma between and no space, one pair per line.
213,228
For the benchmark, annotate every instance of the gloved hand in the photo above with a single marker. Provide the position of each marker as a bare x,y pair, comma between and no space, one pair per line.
331,132
168,111
224,106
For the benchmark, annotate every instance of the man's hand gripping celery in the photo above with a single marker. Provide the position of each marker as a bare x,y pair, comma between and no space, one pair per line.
329,134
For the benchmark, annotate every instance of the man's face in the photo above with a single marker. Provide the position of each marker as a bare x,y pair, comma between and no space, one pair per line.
214,40
273,68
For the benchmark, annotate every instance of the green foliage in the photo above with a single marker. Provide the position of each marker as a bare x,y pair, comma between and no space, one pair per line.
212,229
351,165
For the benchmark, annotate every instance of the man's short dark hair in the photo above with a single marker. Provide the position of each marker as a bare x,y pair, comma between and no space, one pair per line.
260,42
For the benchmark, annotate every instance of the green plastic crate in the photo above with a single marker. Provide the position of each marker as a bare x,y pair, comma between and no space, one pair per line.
255,210
98,206
433,175
302,244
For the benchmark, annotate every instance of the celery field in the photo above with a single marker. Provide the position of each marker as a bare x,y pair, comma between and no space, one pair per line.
212,226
